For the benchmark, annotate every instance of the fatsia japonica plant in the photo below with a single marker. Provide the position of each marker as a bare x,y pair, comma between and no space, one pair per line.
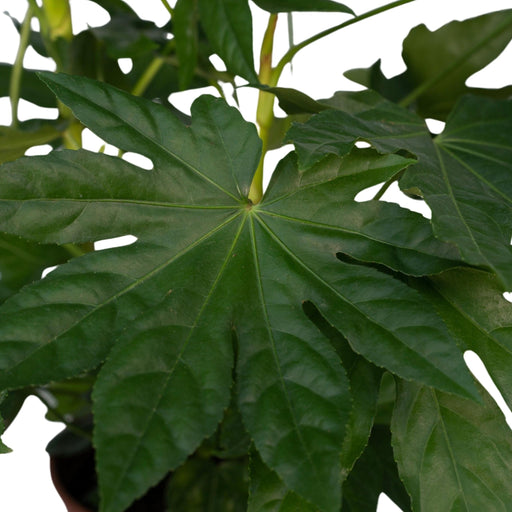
287,349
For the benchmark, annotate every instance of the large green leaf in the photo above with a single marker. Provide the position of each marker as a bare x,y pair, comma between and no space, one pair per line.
442,61
452,454
208,264
228,25
464,174
302,5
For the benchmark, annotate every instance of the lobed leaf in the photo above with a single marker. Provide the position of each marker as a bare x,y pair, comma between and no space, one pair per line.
207,262
462,174
441,62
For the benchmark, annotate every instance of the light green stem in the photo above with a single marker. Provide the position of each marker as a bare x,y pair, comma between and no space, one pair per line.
265,110
288,56
425,86
170,10
150,72
17,70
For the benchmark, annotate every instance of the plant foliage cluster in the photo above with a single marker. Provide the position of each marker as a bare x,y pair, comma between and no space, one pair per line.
292,350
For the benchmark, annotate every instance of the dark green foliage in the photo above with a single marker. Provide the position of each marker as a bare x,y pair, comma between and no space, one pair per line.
244,351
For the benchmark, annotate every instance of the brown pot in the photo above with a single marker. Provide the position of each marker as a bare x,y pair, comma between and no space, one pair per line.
71,504
74,477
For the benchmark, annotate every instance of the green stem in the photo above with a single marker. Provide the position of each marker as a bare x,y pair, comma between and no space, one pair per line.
170,10
265,110
151,71
386,185
425,86
74,250
17,70
71,426
288,56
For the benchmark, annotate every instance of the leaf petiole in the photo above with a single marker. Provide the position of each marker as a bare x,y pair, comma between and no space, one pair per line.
15,82
290,54
265,110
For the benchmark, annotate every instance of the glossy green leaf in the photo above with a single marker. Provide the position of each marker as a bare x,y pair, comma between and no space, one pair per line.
267,493
185,33
208,263
302,5
228,25
375,472
441,62
463,174
452,454
470,184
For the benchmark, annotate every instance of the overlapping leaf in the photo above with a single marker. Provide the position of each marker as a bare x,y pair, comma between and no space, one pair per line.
452,454
208,264
464,174
440,62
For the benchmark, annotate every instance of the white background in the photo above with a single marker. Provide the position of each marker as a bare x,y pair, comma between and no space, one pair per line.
24,476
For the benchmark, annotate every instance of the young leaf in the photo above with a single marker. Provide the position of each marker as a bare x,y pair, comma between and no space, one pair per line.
302,5
463,174
206,262
452,454
228,25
